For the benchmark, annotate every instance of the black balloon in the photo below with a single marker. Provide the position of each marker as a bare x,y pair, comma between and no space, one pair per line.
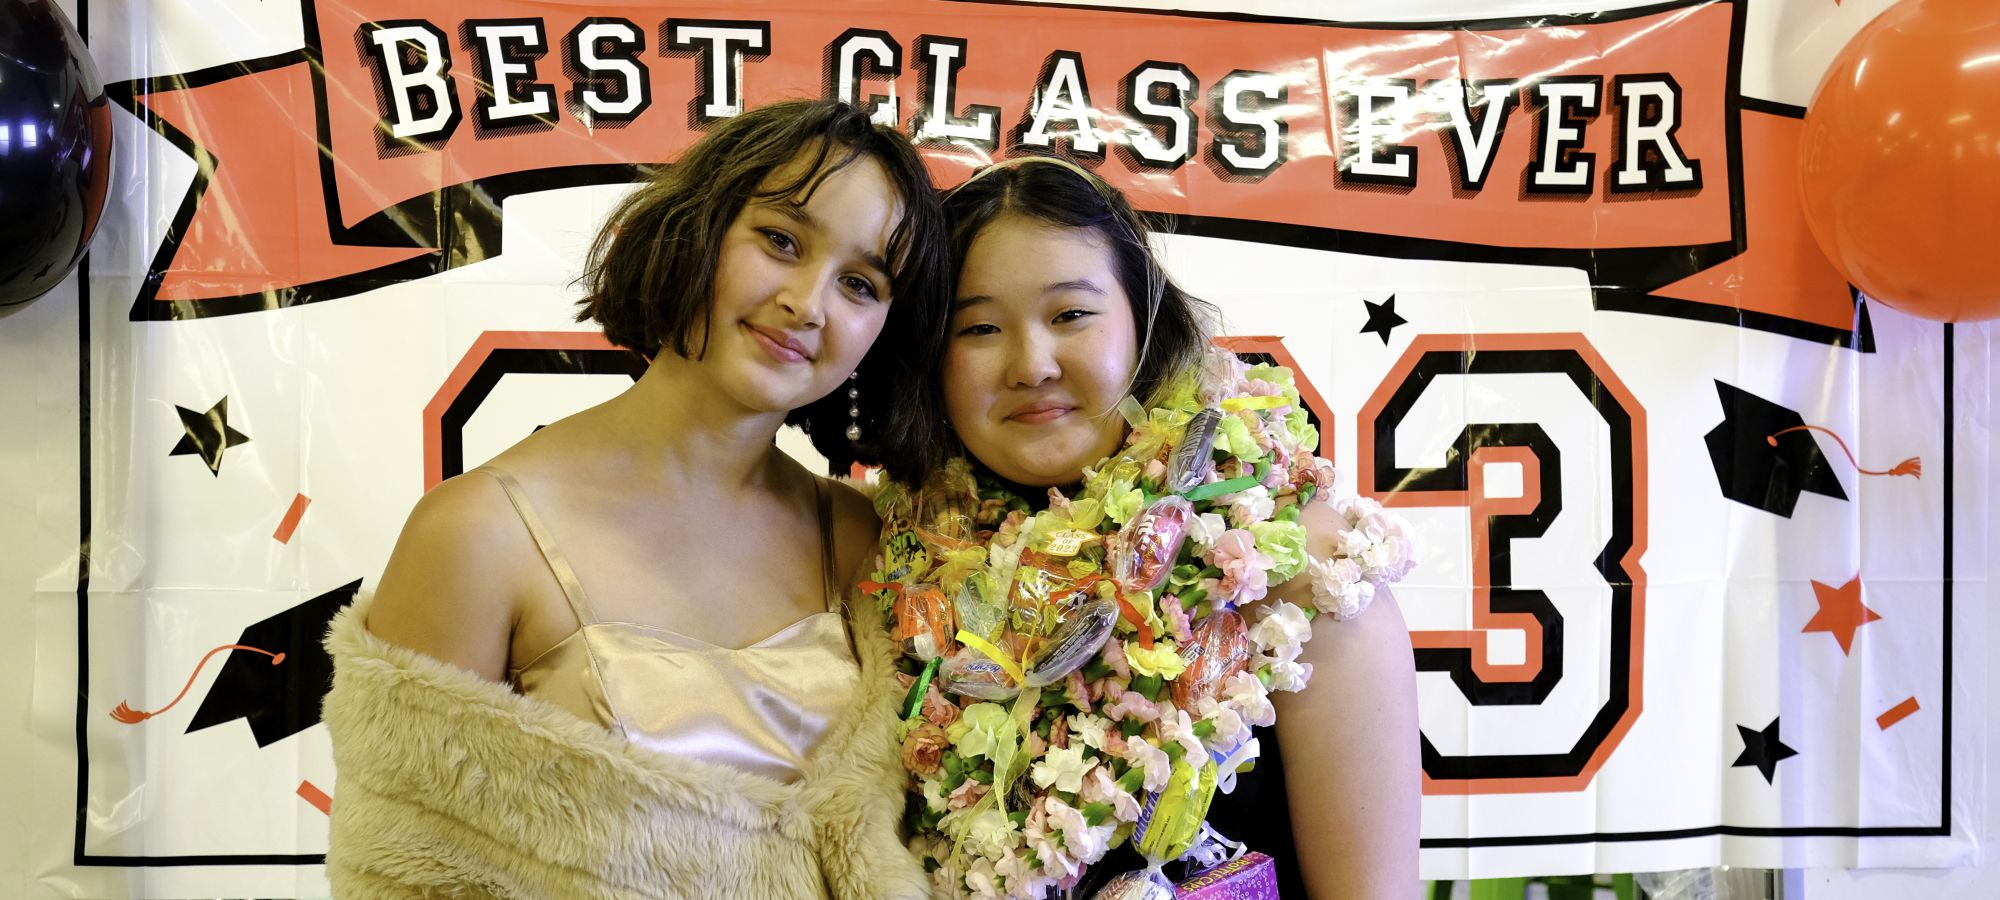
55,149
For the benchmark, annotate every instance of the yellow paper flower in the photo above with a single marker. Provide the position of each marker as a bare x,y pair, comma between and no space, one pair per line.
1164,660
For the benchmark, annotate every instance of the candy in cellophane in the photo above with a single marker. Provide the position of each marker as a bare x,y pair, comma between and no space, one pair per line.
1168,825
1041,583
1192,457
941,520
1171,818
1218,647
1145,549
924,621
981,610
1142,884
1081,633
970,672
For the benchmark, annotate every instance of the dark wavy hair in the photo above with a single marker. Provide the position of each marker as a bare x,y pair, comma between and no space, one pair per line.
649,280
1174,326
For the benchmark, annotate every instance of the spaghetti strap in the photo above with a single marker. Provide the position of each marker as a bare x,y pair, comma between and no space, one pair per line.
558,564
824,502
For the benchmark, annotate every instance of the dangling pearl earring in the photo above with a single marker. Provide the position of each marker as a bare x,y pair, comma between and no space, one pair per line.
853,409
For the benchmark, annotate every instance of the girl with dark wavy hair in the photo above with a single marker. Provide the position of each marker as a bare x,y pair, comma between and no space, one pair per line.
616,659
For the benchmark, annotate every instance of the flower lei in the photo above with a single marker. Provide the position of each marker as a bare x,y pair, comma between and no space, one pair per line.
1015,795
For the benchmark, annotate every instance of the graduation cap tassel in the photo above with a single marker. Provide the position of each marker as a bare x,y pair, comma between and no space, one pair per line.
1913,467
126,714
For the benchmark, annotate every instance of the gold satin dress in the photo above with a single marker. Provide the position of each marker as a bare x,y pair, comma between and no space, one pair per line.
761,709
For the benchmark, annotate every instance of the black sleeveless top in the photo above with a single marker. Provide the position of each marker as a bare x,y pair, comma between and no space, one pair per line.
1255,814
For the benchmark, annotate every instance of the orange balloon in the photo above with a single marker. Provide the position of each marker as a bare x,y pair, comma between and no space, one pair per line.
1899,162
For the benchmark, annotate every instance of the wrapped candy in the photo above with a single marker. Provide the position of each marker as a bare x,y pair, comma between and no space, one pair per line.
1146,547
1171,819
971,673
1219,646
1144,884
981,610
1073,642
1041,582
942,522
1192,458
1252,876
923,621
903,555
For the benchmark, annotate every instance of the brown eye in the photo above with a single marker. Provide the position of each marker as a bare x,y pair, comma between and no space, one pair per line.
779,241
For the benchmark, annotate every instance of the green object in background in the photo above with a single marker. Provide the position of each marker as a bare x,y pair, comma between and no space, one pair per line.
1499,888
1560,887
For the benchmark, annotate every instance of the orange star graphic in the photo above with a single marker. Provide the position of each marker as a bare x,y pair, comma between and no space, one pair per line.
1840,612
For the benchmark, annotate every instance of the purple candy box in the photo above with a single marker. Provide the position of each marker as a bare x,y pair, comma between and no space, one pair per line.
1251,876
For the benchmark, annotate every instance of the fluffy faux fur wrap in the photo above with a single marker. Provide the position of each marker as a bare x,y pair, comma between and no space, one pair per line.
454,786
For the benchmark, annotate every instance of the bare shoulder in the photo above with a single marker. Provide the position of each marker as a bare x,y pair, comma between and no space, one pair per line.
451,589
856,529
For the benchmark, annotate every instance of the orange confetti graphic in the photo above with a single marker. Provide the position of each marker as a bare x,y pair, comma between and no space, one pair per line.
1897,713
312,794
291,520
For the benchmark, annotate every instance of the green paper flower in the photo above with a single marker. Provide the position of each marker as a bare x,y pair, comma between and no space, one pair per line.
1121,505
1233,437
1285,543
983,728
1303,434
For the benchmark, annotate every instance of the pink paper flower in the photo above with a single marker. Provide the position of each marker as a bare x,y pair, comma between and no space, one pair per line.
1114,656
923,750
1078,690
1176,617
967,794
1034,745
1245,569
1130,705
939,709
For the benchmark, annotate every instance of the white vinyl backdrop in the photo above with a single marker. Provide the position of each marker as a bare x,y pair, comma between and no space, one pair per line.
331,393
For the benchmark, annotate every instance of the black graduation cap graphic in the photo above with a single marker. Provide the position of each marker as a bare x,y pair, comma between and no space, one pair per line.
1765,454
280,699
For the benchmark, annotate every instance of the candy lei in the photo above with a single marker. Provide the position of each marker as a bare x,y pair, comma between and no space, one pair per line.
1080,676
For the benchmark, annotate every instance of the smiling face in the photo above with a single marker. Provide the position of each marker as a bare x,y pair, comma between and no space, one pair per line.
1042,348
801,288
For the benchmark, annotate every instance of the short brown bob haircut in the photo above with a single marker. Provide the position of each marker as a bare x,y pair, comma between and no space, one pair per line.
649,280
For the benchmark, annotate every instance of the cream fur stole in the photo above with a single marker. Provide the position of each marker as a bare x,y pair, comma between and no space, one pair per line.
454,786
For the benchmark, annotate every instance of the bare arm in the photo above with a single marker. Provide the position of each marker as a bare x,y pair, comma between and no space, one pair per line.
450,590
1350,745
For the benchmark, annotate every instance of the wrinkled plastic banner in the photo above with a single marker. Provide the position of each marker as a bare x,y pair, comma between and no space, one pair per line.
1694,518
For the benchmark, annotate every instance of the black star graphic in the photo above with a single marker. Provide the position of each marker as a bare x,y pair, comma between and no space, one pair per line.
1763,750
208,434
279,700
1382,318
